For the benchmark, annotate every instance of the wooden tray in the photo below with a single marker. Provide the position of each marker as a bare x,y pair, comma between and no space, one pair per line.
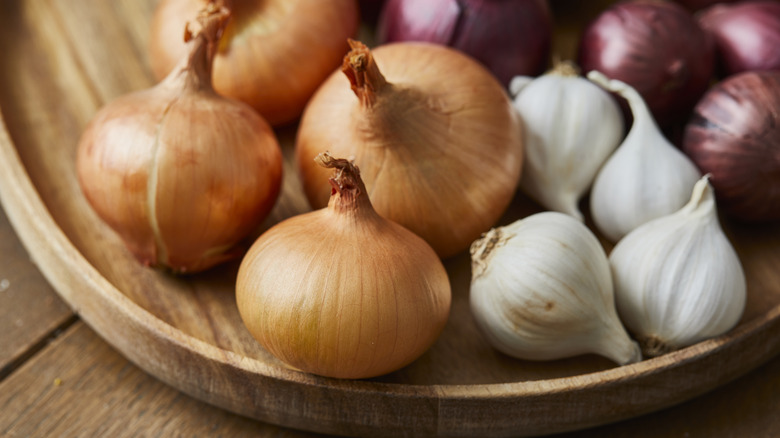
62,59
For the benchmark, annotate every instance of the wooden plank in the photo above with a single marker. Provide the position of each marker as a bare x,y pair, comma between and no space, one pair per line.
80,386
29,309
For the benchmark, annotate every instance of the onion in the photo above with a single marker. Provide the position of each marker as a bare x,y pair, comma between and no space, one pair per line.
370,10
734,135
746,34
657,48
695,5
341,291
510,37
179,172
437,139
274,54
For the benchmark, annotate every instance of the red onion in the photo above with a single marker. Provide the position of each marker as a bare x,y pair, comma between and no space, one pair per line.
370,10
511,38
695,5
657,48
746,34
734,135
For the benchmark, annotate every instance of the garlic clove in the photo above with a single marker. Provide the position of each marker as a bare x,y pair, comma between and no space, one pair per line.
646,178
541,289
571,128
678,280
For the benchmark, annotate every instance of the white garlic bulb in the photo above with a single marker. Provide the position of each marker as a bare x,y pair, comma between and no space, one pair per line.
572,127
677,278
646,178
541,289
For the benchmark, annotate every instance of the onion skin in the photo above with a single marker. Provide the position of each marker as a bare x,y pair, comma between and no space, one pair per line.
440,153
695,5
342,292
734,135
746,34
274,53
657,48
511,38
179,172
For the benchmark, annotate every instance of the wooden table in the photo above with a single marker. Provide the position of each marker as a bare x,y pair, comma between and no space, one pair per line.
60,379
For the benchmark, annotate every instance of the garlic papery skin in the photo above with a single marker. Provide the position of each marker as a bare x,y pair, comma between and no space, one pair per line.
646,178
677,278
541,289
571,128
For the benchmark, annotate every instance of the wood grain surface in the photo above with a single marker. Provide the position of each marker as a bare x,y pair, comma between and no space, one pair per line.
61,61
29,309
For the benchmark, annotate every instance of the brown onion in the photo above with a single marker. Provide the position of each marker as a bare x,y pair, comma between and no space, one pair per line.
657,48
439,145
179,172
274,54
747,35
734,135
341,291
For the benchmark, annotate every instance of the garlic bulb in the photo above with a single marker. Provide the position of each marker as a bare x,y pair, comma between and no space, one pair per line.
541,289
572,126
677,278
646,178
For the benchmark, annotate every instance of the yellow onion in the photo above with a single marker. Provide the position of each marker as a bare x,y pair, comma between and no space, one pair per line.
179,172
434,133
274,54
341,291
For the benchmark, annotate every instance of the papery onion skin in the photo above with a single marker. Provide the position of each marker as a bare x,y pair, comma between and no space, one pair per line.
746,34
274,53
440,153
511,38
657,48
342,292
179,172
734,135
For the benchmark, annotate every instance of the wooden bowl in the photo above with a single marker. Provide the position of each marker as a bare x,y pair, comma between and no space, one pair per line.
62,60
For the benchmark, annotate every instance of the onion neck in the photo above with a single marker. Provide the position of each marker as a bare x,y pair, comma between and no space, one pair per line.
363,74
348,193
193,72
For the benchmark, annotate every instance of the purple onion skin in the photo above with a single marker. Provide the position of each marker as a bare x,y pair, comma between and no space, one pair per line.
695,5
509,37
370,9
657,48
746,34
734,134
